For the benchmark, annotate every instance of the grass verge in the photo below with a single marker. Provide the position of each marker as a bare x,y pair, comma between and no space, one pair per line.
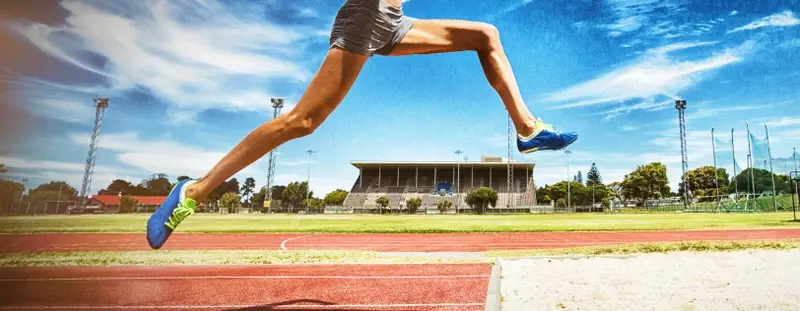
643,248
208,223
270,257
256,257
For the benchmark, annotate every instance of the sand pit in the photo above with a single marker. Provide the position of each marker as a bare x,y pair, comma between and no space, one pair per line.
747,280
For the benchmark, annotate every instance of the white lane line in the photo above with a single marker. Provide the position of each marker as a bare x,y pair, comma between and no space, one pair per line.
283,244
272,307
249,277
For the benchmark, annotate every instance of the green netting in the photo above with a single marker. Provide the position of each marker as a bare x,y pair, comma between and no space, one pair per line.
784,166
760,149
723,153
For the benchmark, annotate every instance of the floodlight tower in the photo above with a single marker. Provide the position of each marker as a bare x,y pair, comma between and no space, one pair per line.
680,104
510,165
277,104
101,104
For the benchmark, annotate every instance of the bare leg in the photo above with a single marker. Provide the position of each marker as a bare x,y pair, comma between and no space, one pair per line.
327,89
442,36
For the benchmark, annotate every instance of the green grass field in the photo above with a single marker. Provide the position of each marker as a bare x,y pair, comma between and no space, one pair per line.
262,257
403,223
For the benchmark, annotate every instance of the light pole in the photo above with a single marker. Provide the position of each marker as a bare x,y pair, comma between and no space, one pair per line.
308,181
458,180
569,203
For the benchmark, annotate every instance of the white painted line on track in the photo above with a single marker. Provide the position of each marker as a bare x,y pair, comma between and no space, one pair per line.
283,244
272,307
250,277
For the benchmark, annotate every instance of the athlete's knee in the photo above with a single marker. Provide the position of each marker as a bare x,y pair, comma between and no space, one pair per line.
485,36
301,124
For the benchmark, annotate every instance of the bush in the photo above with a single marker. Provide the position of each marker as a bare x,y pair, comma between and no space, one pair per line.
413,205
443,205
382,203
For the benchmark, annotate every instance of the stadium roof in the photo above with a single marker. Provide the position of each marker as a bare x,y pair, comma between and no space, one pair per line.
428,164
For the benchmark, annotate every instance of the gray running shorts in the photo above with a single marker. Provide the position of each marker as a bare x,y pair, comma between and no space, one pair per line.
369,27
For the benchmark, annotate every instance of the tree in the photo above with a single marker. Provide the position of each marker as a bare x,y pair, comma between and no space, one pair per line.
295,194
125,187
315,204
542,195
157,185
763,182
443,205
479,199
615,191
646,182
579,177
230,200
52,191
3,169
9,192
336,197
382,203
247,188
593,177
127,203
413,205
231,185
183,177
702,182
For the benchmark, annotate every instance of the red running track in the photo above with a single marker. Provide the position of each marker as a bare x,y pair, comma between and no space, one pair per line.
438,242
344,287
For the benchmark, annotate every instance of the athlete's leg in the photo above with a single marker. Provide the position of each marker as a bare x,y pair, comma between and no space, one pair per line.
441,36
327,89
329,86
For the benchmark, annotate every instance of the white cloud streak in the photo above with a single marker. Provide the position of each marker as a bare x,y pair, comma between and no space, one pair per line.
783,19
194,55
653,74
159,156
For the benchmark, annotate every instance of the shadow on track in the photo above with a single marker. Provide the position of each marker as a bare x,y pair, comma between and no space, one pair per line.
279,305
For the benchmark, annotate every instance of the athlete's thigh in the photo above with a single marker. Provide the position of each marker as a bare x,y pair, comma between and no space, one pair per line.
439,36
331,83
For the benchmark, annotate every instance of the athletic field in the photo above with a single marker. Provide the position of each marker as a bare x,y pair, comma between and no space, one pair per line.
233,223
335,262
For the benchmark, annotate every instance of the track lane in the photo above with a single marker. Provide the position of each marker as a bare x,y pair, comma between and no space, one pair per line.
439,242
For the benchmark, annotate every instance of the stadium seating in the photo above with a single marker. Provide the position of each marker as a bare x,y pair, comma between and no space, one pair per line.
363,194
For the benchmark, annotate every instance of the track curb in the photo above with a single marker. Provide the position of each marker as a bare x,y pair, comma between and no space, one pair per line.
493,295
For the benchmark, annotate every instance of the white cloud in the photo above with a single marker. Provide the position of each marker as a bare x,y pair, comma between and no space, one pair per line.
43,171
63,109
628,128
194,55
783,19
21,163
734,12
511,8
162,156
653,74
632,15
710,112
647,105
784,121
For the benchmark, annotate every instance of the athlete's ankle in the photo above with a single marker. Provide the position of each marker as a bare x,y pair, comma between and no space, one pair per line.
528,130
193,192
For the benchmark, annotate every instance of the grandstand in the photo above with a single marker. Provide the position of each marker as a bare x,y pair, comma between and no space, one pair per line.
436,181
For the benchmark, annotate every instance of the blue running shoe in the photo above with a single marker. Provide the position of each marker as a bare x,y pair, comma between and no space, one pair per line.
171,213
545,138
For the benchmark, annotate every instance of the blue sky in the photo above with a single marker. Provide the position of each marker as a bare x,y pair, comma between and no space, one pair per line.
188,80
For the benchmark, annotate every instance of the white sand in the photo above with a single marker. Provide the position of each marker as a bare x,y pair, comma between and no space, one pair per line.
748,280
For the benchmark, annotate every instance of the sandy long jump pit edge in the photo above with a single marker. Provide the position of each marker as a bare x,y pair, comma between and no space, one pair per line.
745,280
